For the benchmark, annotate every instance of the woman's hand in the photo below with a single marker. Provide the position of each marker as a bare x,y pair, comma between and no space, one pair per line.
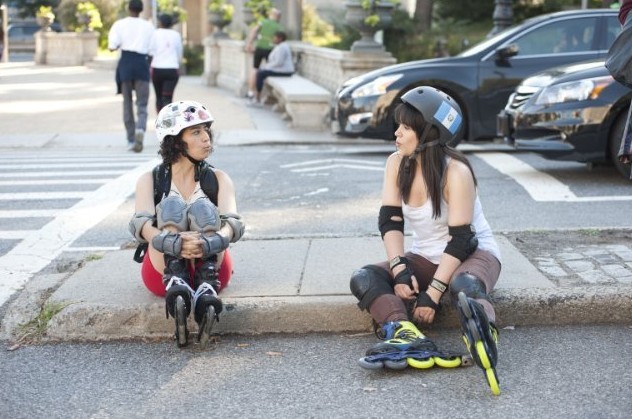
404,291
191,245
424,315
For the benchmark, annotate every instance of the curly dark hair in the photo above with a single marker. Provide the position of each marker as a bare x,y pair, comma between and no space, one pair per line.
172,147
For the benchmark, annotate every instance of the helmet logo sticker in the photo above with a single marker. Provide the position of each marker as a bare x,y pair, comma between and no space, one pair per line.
448,117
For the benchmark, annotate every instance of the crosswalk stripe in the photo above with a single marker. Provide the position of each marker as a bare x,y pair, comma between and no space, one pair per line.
41,247
38,160
540,186
28,213
14,234
53,182
25,196
75,165
72,173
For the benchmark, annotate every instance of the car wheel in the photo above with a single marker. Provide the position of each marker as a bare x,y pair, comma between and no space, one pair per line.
616,136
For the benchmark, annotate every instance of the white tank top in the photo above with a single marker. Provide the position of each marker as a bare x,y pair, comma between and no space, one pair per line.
430,235
198,193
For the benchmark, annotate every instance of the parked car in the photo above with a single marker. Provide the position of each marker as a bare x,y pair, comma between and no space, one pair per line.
481,78
576,112
22,35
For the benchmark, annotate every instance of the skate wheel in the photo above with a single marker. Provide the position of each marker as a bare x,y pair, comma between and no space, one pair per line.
482,355
492,380
181,322
422,364
370,365
452,362
204,334
396,365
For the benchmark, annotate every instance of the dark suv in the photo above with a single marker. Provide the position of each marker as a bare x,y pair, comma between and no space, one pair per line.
481,78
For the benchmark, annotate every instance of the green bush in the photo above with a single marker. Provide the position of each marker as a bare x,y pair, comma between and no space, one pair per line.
108,10
194,60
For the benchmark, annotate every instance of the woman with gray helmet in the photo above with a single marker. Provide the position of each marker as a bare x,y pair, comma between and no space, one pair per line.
431,188
186,215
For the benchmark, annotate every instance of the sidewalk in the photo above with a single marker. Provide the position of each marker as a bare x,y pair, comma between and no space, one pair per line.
105,299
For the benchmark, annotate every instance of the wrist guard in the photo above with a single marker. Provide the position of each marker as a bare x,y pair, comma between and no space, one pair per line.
168,243
404,277
424,300
439,285
214,244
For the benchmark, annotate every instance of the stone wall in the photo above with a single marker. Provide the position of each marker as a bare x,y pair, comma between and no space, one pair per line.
65,48
227,64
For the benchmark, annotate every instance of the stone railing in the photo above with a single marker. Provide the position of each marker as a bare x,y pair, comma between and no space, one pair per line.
227,65
65,48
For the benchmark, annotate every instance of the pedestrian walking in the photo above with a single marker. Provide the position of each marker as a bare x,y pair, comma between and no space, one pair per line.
431,188
185,217
131,35
165,51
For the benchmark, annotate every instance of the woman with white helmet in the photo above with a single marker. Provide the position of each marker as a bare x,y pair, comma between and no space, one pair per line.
186,215
430,187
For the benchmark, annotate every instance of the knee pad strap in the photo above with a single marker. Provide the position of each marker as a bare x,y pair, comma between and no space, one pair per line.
368,283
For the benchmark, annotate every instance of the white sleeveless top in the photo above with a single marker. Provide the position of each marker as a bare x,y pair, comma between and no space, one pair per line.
430,235
198,193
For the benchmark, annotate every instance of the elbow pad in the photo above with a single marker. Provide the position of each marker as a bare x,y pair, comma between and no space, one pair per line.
387,221
137,222
236,224
463,242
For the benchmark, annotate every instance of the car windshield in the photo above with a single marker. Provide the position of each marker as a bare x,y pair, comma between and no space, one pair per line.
485,44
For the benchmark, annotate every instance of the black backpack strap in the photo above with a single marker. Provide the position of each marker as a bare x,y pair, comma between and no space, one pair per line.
162,184
208,181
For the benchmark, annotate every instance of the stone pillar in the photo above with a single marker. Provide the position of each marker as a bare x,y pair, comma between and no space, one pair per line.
291,17
211,61
503,16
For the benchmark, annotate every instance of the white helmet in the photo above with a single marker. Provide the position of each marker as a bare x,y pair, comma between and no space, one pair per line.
176,116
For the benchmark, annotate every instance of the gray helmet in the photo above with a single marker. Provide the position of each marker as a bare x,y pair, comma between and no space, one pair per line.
437,108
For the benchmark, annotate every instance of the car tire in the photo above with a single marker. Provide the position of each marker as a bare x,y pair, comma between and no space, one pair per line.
614,143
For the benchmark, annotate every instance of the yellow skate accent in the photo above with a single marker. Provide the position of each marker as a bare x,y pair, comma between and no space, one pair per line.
490,374
453,362
422,364
482,355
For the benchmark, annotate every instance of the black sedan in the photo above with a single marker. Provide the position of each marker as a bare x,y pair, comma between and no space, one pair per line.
481,78
576,112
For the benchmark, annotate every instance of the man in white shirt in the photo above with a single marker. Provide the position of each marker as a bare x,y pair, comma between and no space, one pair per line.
279,63
132,36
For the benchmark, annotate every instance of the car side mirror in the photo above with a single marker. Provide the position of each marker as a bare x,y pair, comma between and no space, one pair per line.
507,51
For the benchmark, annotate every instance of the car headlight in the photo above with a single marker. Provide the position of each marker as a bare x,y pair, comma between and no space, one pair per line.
573,91
376,87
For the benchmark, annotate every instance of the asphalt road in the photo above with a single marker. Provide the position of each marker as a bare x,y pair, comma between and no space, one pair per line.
570,372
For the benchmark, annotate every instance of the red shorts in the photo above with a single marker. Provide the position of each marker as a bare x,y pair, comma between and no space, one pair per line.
153,279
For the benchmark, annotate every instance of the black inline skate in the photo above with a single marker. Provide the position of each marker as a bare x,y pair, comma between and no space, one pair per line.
480,337
207,305
405,346
178,296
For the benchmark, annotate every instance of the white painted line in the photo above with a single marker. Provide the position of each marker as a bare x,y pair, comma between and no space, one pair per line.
541,186
74,165
53,182
316,192
14,234
72,173
315,162
28,213
25,196
42,246
32,160
91,249
336,166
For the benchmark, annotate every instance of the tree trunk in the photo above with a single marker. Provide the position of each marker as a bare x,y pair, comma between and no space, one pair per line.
423,14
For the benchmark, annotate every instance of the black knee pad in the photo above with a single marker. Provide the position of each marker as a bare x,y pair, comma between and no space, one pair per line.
368,283
471,285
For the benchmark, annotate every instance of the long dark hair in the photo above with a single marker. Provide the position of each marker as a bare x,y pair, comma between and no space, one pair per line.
432,159
173,147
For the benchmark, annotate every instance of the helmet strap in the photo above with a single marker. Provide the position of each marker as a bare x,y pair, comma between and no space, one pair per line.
197,164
